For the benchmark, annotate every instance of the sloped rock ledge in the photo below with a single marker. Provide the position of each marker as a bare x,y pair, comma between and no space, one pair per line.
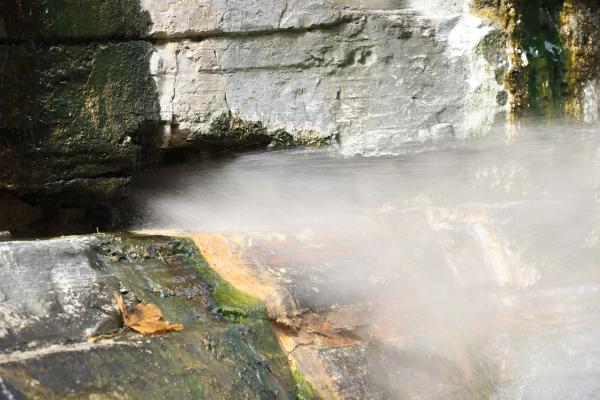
54,294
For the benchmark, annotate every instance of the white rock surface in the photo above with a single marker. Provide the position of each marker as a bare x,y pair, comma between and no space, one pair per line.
591,105
50,290
375,74
172,18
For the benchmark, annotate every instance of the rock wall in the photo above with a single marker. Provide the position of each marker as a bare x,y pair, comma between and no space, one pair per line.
373,77
93,91
553,56
580,30
78,110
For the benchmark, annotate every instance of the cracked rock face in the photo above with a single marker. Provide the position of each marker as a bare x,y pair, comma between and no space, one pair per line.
95,91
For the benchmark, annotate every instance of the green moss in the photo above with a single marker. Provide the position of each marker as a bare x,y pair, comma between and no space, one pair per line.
231,303
559,39
305,390
99,100
536,79
282,139
58,20
492,49
78,111
74,115
231,132
545,72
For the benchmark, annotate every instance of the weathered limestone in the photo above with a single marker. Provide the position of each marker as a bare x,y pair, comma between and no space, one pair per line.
188,18
104,89
372,77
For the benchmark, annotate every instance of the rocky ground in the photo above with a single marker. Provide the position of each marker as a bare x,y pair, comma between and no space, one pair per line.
55,294
473,321
448,309
93,92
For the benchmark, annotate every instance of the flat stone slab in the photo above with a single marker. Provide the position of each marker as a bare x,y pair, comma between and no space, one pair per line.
55,294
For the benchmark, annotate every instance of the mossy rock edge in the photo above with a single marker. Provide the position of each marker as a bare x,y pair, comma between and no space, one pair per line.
226,349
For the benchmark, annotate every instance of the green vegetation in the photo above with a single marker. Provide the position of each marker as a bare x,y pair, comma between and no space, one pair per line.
305,390
553,53
72,20
231,303
539,37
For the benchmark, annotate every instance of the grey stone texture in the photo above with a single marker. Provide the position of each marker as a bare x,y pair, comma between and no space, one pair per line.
375,76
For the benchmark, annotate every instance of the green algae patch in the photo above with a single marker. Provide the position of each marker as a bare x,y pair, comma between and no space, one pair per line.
539,37
554,53
76,121
305,389
231,132
492,49
231,303
63,20
100,100
536,76
80,109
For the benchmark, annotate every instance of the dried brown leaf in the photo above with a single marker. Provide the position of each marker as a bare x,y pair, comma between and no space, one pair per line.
145,319
154,327
144,312
121,307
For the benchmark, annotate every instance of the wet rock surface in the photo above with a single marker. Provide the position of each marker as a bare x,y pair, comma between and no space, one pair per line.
57,293
502,323
553,51
345,332
443,275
